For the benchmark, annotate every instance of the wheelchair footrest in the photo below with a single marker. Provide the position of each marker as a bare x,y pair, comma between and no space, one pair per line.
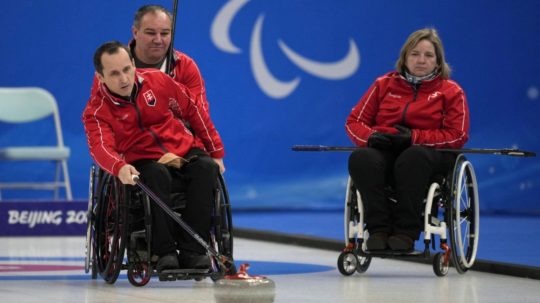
183,274
394,253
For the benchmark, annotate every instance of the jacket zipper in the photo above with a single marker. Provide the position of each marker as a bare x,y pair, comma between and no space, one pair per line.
415,89
139,119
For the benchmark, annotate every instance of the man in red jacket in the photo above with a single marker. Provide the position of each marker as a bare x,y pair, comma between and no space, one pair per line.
133,123
152,35
152,30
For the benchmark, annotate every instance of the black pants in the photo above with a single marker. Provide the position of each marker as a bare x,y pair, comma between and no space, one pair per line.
409,173
198,180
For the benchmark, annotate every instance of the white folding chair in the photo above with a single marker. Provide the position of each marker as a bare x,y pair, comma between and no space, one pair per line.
29,104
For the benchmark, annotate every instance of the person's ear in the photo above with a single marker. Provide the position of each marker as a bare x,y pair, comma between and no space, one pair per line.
99,76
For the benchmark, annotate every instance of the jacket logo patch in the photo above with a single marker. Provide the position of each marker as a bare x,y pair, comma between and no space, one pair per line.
394,96
434,96
149,98
173,104
124,117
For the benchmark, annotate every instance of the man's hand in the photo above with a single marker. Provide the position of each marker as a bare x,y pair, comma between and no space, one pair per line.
125,174
173,160
221,165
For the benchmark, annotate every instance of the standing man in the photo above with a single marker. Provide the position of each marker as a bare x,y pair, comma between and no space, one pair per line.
133,123
152,30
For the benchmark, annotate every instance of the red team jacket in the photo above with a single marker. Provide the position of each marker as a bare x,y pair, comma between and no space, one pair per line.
187,72
120,132
437,113
184,71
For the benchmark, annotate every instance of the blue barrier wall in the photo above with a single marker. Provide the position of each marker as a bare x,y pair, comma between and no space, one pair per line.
274,79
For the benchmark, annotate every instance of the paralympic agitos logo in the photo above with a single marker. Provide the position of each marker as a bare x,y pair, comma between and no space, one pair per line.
267,82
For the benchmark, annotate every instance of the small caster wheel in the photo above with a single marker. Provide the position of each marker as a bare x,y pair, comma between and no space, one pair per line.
139,274
439,266
363,264
347,263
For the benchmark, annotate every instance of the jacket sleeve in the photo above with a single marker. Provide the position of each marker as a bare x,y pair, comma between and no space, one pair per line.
190,109
188,74
100,138
454,131
362,117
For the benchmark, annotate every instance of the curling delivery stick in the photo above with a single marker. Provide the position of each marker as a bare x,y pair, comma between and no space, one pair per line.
505,151
170,52
224,260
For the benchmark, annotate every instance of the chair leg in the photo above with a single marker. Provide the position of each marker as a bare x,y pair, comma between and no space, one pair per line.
67,182
57,180
61,169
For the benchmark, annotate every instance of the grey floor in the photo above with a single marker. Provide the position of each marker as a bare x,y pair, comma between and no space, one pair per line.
50,269
503,238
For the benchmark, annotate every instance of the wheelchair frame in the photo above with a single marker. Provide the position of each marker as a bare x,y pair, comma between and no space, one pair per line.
112,230
451,204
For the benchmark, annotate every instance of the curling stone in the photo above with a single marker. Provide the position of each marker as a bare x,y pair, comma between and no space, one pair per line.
243,288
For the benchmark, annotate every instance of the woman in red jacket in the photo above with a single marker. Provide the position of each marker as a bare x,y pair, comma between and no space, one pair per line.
403,118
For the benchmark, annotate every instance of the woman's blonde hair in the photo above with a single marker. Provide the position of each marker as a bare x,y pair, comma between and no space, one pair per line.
431,35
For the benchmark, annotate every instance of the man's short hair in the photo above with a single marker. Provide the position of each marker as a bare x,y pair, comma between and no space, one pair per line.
111,47
143,10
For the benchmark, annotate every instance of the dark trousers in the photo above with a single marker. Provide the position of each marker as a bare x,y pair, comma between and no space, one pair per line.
198,180
409,173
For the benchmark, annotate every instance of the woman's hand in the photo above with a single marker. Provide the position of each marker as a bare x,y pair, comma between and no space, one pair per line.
401,140
379,141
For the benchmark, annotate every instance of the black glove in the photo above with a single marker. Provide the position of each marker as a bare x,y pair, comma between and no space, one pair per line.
379,141
401,140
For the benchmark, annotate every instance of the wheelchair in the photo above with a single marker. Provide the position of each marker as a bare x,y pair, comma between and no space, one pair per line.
119,231
451,211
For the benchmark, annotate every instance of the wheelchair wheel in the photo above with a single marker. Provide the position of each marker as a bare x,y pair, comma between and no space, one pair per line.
363,264
351,217
440,267
90,220
222,228
347,263
110,227
464,215
139,273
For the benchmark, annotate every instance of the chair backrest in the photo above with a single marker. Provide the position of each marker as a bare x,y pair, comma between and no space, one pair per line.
27,104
